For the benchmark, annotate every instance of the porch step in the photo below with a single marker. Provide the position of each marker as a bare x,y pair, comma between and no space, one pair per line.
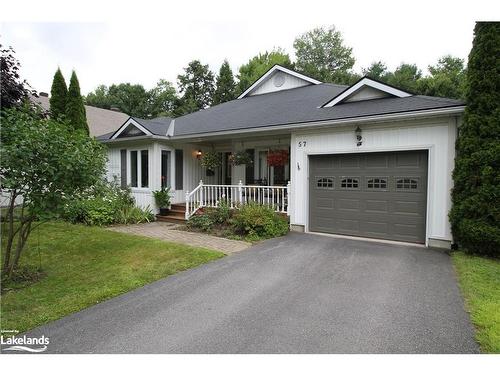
178,207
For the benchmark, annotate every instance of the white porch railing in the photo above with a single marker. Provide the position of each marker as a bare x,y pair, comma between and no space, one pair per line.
205,195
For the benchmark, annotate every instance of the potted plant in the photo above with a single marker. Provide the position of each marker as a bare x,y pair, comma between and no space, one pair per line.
210,160
240,158
162,199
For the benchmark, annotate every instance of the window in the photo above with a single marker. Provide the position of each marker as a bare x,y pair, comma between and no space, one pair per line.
133,168
144,168
165,178
407,183
139,168
324,182
123,168
376,183
349,183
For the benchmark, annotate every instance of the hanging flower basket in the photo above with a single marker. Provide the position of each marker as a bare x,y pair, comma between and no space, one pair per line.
210,160
277,158
240,158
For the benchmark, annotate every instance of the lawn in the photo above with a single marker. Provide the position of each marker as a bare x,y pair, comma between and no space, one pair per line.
87,265
479,279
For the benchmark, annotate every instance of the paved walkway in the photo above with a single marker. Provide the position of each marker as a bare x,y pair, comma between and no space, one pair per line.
170,232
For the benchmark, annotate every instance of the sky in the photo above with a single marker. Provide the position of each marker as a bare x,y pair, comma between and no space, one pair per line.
108,42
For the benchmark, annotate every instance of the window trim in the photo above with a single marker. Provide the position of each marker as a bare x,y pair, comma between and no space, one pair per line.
317,178
368,178
348,187
406,190
139,168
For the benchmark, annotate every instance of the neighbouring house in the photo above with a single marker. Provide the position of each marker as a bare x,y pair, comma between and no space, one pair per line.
100,121
367,160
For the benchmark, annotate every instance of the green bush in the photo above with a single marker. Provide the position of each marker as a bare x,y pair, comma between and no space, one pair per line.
162,197
107,204
258,222
221,214
202,221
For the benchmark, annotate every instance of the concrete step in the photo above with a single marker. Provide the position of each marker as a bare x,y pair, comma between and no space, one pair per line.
171,219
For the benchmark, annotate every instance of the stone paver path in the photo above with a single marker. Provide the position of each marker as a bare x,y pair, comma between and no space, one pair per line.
170,232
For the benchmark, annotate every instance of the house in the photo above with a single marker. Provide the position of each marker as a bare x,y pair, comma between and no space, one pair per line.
367,160
101,121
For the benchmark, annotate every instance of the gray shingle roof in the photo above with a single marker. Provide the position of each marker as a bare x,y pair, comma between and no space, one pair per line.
297,105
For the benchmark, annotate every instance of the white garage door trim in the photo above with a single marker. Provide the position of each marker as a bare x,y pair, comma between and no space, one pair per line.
430,177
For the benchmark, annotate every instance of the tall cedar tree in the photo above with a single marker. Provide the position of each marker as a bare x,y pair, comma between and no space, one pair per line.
225,85
58,96
475,215
75,110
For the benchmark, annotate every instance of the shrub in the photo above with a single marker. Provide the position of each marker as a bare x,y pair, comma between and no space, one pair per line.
221,214
107,204
202,222
258,221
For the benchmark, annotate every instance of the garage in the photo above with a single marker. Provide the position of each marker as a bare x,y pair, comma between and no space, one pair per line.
377,195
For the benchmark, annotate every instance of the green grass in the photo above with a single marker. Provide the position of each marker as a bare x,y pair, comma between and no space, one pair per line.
479,279
87,265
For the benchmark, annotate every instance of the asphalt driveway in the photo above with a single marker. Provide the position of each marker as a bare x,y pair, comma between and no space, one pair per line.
296,294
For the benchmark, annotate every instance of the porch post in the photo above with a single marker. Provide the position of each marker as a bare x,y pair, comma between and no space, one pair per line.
240,192
186,215
288,200
201,194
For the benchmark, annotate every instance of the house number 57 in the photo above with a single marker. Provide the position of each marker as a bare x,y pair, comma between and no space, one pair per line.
302,143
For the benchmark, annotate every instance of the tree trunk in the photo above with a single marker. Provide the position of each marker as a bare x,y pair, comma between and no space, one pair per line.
11,233
23,236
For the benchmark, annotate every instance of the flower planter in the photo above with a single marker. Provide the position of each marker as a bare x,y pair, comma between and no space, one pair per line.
164,211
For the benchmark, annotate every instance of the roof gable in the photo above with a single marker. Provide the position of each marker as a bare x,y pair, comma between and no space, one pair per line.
131,128
366,89
276,79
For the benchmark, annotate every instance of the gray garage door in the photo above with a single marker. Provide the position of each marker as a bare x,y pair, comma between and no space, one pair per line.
378,195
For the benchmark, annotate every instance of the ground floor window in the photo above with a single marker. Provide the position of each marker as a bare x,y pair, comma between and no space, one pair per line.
139,168
165,175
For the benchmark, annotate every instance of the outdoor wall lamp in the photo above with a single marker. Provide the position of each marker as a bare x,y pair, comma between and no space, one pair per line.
359,137
198,154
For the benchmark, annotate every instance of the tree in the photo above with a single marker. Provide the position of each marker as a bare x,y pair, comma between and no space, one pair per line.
58,96
43,161
377,70
75,110
405,77
130,99
447,79
258,65
321,53
13,89
99,97
475,214
162,99
196,85
225,86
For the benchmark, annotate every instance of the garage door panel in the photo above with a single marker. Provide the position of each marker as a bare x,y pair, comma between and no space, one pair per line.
380,195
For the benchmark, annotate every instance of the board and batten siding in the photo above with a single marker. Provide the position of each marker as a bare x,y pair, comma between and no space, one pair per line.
437,136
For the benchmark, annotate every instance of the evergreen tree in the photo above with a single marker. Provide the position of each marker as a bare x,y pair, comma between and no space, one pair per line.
196,85
75,110
58,95
225,85
475,215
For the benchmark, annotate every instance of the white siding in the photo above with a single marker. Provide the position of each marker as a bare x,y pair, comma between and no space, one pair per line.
438,136
366,93
290,82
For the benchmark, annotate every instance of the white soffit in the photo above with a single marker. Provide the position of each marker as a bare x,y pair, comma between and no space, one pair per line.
366,82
